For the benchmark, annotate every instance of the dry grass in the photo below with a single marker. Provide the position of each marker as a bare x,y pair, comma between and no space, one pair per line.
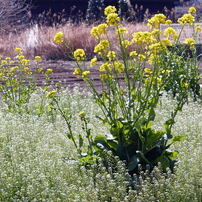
38,40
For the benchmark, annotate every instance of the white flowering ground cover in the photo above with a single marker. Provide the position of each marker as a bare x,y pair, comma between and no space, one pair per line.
36,165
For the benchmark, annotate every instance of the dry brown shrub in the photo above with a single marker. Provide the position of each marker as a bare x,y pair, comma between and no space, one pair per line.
39,40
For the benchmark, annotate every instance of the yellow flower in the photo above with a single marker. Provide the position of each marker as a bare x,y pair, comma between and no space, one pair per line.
109,9
102,28
58,38
18,51
99,30
21,57
101,47
186,85
133,54
77,71
37,58
49,71
26,69
156,33
170,33
143,38
93,62
85,74
119,67
148,70
168,22
105,67
14,68
104,77
25,61
4,62
192,10
186,19
94,32
111,55
191,42
113,19
165,43
39,69
156,20
79,55
8,58
165,71
125,43
198,28
51,94
141,57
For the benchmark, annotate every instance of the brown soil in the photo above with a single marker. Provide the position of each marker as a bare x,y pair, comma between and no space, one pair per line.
63,72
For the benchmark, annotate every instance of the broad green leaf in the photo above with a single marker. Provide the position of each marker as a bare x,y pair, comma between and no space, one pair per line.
178,138
133,163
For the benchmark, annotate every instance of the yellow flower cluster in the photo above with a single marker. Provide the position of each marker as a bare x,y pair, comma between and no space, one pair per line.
170,33
109,9
58,38
143,38
192,10
99,30
112,17
101,47
79,55
156,20
111,55
93,61
186,19
51,94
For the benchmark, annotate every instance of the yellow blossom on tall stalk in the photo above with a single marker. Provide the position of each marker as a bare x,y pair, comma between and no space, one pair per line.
49,71
110,9
113,19
170,33
101,47
38,58
79,55
105,67
125,43
111,55
119,67
156,20
51,94
93,61
198,28
168,22
99,30
85,74
143,38
186,19
192,10
77,72
18,51
191,42
58,38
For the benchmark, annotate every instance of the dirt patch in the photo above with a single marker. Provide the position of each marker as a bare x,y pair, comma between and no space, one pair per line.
63,72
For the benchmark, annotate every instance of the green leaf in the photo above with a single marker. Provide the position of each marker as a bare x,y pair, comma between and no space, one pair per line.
171,153
133,163
178,138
